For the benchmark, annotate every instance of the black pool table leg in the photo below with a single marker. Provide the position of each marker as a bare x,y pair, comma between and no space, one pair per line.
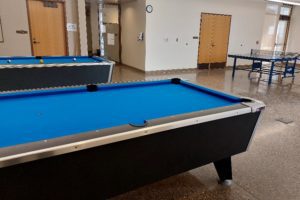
224,171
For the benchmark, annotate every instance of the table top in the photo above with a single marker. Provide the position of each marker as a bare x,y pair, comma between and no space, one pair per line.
49,60
270,57
46,114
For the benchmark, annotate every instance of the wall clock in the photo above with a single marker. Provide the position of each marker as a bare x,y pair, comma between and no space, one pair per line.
149,9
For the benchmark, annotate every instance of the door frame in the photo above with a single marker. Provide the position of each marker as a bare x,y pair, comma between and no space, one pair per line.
120,27
287,31
206,13
65,23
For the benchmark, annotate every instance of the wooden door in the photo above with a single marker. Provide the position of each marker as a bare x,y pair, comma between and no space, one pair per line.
214,40
47,26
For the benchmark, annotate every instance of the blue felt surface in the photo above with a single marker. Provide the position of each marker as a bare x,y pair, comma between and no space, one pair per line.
35,116
48,60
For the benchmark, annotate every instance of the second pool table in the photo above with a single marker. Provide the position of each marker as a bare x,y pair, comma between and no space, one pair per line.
23,73
101,141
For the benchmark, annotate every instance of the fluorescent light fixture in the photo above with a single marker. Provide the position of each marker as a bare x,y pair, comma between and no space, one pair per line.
286,2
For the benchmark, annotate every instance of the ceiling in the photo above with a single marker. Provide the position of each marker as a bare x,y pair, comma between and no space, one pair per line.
124,1
110,1
292,1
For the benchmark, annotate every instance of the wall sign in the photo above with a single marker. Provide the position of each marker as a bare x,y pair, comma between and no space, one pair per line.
71,27
1,32
111,39
50,4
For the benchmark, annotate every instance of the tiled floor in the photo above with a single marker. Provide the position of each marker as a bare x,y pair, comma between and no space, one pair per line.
271,167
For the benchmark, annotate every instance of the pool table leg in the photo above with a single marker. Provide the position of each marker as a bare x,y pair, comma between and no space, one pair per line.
224,171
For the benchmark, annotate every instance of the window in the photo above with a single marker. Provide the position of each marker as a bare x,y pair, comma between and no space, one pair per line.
276,27
286,10
272,8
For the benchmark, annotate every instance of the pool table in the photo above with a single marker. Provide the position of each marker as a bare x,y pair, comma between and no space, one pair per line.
104,140
22,73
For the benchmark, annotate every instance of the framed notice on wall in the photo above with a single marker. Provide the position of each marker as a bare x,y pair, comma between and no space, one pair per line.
1,32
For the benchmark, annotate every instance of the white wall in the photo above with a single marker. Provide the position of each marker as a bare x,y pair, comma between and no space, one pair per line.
13,15
73,37
95,26
133,22
173,19
294,36
82,27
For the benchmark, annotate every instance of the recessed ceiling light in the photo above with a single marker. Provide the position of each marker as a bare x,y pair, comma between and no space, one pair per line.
286,2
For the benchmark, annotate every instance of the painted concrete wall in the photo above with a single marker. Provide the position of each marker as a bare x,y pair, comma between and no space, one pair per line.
294,36
133,21
72,17
82,27
173,19
94,26
13,15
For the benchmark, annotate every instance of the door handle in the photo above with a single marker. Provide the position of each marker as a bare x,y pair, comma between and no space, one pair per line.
34,41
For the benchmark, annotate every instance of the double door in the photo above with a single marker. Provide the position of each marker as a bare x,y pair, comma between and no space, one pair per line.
214,40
